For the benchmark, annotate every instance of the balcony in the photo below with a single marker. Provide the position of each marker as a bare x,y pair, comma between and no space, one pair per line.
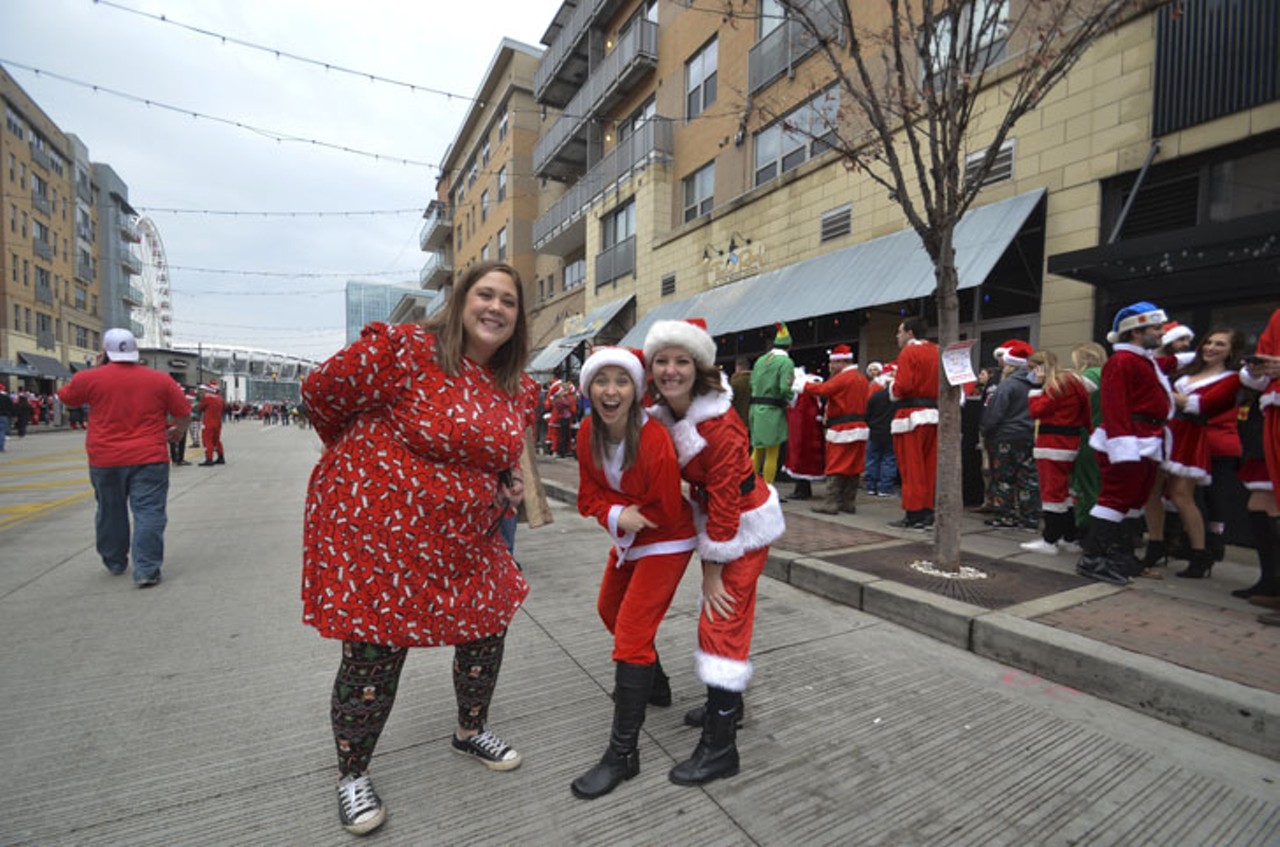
131,263
136,327
781,50
42,248
437,271
133,296
563,151
436,228
45,340
562,228
84,271
44,294
617,261
39,156
41,203
83,191
565,62
129,230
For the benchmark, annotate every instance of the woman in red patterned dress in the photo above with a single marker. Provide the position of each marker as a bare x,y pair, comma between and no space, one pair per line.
737,516
629,481
422,426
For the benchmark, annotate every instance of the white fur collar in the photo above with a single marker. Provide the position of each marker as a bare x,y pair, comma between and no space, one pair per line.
684,432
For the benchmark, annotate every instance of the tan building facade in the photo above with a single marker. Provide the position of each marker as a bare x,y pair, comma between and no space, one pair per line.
49,288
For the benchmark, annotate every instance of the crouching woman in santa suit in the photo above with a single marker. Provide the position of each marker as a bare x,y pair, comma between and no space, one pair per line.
737,516
629,481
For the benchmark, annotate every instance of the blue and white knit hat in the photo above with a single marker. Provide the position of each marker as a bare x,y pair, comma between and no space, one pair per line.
1137,316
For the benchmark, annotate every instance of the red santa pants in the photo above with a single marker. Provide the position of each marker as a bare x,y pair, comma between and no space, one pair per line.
1271,443
633,600
917,454
724,644
1125,487
1055,485
212,440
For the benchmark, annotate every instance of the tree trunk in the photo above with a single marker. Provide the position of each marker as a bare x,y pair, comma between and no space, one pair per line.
948,505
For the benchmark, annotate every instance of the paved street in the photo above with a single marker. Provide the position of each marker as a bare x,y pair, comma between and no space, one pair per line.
197,712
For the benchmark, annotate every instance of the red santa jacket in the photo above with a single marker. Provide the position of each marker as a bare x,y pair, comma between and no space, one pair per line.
1268,345
846,394
915,387
652,483
1137,402
1061,418
734,509
1207,421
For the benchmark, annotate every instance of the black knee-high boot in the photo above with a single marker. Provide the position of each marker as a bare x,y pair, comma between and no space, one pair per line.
1266,537
1102,560
632,685
716,755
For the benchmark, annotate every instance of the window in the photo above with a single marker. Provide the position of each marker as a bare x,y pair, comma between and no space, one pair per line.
17,318
82,338
618,225
504,124
472,173
637,119
668,285
983,24
502,244
484,206
772,15
575,273
836,223
699,191
1001,168
13,265
805,132
484,153
502,183
484,252
700,80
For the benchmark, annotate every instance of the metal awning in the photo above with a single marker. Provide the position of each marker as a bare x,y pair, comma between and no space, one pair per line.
45,366
884,270
11,368
550,357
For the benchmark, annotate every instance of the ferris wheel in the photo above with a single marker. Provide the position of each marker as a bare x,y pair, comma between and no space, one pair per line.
156,312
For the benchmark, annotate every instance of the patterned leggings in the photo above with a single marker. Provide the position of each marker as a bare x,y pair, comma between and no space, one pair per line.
1015,485
365,690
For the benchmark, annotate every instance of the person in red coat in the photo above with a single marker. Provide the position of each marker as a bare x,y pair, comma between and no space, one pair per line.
737,515
210,407
629,481
1262,373
915,422
1137,402
423,427
1060,408
805,453
846,394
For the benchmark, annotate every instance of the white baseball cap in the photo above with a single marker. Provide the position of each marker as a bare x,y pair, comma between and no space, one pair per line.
120,345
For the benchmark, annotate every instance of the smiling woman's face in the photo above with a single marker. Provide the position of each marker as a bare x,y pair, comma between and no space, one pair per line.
612,393
489,315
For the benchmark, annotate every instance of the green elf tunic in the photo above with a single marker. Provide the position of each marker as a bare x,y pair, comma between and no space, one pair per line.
771,380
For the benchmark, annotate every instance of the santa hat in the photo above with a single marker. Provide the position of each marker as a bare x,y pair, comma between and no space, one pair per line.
211,387
841,353
1174,331
782,338
1015,352
622,357
1137,316
690,334
875,369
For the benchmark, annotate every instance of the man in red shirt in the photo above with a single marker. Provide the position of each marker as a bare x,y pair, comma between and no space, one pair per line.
211,406
128,456
915,423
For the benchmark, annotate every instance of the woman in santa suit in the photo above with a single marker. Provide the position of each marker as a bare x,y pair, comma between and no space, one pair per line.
737,516
1205,396
1060,408
629,481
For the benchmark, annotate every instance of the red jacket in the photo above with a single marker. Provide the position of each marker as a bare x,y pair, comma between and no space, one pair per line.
1137,402
1068,409
915,386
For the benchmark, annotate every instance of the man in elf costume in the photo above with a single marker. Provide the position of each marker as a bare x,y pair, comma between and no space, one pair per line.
771,381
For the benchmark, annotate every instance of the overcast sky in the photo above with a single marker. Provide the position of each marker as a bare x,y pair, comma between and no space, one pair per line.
170,160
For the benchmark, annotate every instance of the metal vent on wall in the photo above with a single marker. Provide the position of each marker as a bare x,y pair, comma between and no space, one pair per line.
1001,168
837,223
668,285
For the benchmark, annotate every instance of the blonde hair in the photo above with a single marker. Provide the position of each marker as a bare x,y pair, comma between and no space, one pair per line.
1088,354
509,360
1055,378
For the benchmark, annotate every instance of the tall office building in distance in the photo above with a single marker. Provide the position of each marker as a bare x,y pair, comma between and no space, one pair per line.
371,301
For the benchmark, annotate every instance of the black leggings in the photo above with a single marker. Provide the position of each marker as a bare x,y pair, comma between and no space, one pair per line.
365,690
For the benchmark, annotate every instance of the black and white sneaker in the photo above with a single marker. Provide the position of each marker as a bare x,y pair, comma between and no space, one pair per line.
492,751
359,807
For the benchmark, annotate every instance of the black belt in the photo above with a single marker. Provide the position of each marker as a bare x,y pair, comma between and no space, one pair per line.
917,403
769,401
745,487
846,419
1147,419
1202,420
1058,429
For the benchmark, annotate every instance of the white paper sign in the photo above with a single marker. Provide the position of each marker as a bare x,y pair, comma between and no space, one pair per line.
957,362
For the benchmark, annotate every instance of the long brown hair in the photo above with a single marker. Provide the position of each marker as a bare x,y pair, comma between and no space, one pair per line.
630,440
1234,337
508,362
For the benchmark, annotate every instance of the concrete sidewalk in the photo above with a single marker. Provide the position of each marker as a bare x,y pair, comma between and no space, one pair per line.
1181,650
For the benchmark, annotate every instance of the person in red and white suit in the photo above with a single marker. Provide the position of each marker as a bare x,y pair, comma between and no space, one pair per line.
737,515
805,452
629,481
846,393
915,422
1262,373
1060,408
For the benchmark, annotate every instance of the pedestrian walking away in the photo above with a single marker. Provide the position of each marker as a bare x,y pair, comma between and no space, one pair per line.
422,425
737,515
629,481
128,454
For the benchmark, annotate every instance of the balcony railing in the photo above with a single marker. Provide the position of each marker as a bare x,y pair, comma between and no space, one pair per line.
44,294
565,45
129,230
39,156
652,140
436,228
617,261
41,203
436,272
636,52
784,48
135,326
84,271
131,263
42,248
133,296
83,191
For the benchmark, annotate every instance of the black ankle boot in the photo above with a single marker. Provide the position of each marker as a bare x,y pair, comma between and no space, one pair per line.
1157,555
1200,566
621,761
1100,560
697,716
803,490
1266,539
716,755
1216,545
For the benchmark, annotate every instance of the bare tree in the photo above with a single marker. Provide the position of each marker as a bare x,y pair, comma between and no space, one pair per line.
914,78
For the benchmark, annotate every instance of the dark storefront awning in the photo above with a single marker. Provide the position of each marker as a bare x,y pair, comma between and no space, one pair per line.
884,270
11,368
45,366
549,358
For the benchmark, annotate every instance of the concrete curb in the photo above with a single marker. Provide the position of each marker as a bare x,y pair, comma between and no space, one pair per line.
1235,714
